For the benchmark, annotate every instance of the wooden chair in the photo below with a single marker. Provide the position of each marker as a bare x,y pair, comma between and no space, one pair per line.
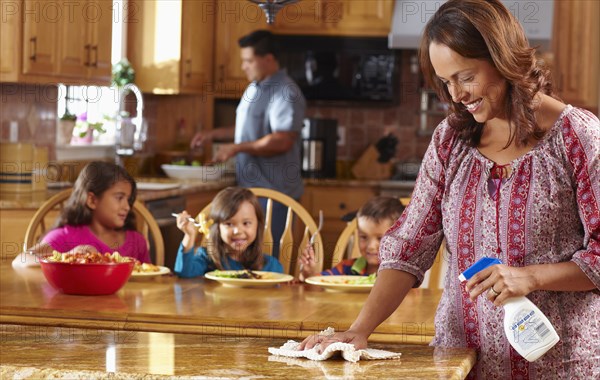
287,246
346,248
49,211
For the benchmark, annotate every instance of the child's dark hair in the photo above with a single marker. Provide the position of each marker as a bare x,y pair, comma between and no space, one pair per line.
96,177
262,41
224,206
381,208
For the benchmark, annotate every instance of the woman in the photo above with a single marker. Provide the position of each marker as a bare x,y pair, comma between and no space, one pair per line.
511,173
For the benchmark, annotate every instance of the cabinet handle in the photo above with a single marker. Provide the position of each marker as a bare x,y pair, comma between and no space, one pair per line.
95,50
188,64
221,73
33,41
87,54
342,206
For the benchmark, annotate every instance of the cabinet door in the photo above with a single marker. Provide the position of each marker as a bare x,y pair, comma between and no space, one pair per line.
234,19
74,48
100,28
10,48
154,44
304,17
576,39
40,20
361,17
197,45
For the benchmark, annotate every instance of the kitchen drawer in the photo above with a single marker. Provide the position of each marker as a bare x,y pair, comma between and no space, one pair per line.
194,203
337,201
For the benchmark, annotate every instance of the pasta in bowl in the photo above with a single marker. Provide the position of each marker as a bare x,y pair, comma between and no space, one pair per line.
87,273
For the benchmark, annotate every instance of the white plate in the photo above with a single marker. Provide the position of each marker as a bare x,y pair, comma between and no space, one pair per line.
271,280
188,172
337,283
161,271
157,185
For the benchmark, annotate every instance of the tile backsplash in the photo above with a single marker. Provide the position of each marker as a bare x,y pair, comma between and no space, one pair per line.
33,107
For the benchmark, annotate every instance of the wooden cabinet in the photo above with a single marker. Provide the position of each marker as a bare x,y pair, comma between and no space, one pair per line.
335,201
170,45
233,19
84,49
336,17
305,17
39,45
194,203
52,42
575,45
360,17
13,226
236,18
10,38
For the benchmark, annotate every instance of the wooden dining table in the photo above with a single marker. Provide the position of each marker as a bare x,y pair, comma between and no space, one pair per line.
198,305
187,317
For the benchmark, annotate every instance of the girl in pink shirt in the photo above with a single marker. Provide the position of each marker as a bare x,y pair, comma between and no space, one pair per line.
97,217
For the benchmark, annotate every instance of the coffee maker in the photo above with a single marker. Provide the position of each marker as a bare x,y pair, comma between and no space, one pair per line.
319,145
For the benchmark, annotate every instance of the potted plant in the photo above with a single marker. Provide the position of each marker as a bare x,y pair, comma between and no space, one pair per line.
64,128
83,133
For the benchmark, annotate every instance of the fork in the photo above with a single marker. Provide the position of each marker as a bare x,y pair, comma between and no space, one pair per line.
196,224
319,227
311,242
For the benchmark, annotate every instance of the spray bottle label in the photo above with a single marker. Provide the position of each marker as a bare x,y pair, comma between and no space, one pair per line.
528,330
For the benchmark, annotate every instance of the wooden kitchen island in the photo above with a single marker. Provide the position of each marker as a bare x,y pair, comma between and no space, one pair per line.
181,327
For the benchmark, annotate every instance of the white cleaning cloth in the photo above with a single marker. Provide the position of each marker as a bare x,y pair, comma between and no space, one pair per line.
347,350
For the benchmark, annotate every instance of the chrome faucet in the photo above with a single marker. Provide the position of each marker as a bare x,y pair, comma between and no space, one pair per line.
138,121
131,132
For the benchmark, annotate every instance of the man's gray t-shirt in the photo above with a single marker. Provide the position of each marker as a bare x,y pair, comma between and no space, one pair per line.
274,105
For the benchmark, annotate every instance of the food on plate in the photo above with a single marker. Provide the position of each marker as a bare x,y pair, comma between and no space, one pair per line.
350,280
182,162
145,267
205,224
88,258
246,274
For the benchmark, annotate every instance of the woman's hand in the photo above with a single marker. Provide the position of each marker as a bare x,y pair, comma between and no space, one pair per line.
307,259
501,282
359,341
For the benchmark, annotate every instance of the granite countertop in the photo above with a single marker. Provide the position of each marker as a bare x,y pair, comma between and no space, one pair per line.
33,200
34,352
388,184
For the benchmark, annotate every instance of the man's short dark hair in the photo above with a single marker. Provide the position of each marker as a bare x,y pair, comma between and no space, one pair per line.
263,42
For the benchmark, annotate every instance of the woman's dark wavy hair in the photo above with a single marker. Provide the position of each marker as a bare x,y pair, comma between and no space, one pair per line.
224,206
96,177
485,29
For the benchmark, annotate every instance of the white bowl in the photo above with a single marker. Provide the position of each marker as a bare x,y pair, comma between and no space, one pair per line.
195,173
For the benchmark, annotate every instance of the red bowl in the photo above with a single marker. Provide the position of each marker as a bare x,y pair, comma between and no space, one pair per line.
87,279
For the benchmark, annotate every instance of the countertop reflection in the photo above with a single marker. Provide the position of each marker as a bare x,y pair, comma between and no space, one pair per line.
48,352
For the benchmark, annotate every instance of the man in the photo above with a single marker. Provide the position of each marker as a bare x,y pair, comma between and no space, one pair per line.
267,129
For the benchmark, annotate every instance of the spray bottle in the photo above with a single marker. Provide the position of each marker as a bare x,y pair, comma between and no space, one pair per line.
527,329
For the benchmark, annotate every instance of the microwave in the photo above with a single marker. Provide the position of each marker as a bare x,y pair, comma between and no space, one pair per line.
328,68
